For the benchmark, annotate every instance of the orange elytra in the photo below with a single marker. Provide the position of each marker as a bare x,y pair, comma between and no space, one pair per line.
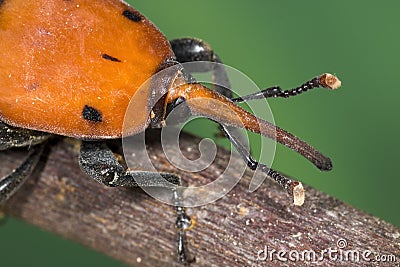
75,65
62,57
72,68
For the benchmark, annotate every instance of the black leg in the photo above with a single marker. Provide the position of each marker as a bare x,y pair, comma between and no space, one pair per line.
293,188
325,80
192,49
98,161
12,182
183,223
18,137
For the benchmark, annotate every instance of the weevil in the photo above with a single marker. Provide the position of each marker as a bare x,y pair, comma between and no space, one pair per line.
71,68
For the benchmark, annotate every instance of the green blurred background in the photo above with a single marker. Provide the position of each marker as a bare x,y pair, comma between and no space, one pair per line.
284,43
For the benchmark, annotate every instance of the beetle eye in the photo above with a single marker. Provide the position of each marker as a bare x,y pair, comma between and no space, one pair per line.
177,117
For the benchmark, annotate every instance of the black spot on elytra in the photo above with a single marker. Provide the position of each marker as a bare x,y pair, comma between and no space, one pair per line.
131,15
1,2
91,114
33,86
108,57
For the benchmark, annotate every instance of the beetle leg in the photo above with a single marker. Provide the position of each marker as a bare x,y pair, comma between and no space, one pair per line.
193,49
292,187
99,162
183,223
19,137
12,182
325,80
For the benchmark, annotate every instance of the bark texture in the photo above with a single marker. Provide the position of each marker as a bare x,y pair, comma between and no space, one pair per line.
241,229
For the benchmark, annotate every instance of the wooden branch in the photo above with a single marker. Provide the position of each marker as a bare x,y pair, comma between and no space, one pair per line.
240,229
